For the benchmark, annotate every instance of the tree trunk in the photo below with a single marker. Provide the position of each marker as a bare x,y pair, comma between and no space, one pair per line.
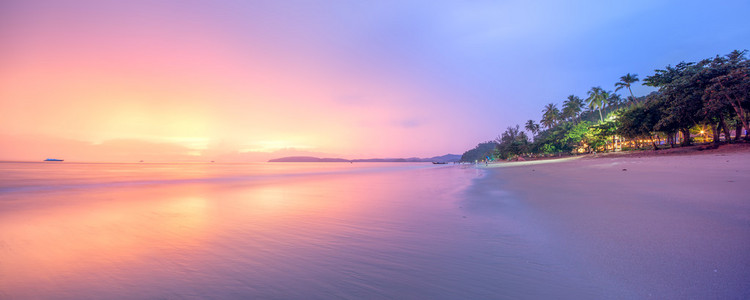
727,137
716,129
741,114
737,132
737,105
632,98
685,137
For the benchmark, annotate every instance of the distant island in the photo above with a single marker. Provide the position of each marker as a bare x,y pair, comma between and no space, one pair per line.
444,158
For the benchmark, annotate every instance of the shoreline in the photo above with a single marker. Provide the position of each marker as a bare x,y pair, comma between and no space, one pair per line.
653,226
704,149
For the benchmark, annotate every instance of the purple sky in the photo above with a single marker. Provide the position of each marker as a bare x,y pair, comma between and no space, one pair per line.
249,80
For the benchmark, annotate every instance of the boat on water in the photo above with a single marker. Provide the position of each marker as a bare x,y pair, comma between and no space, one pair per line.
53,159
438,162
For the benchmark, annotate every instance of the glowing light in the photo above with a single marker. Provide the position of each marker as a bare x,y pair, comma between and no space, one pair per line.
274,145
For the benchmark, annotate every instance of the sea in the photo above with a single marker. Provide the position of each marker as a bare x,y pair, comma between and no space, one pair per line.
269,231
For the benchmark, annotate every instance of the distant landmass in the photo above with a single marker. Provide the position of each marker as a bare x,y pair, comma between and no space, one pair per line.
444,158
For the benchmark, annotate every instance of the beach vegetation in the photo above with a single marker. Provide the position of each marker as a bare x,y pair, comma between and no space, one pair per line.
532,127
625,82
597,100
482,152
697,102
572,108
512,143
550,115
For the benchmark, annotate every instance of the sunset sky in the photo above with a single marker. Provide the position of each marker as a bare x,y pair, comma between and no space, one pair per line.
252,80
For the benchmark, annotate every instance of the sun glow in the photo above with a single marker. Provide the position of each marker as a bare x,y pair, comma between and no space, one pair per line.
274,145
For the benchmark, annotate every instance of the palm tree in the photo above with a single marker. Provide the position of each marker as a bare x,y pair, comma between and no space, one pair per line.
532,127
550,115
579,103
597,100
625,82
605,101
547,122
572,107
614,100
567,112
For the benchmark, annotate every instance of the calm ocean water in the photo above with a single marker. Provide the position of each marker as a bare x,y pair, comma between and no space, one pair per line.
267,231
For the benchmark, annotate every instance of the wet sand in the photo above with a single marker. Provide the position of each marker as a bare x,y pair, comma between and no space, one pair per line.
659,227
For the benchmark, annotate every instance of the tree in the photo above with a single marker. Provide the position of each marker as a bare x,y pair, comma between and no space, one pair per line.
532,127
606,97
728,88
578,103
513,142
550,115
614,100
480,152
597,100
639,121
578,136
625,82
572,107
703,92
681,91
713,92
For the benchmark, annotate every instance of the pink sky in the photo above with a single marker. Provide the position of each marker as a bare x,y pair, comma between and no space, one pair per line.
107,82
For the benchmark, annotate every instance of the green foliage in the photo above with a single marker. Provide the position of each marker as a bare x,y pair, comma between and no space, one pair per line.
625,82
555,140
639,121
579,135
693,93
680,96
728,88
532,127
549,149
480,152
550,116
713,92
599,98
513,142
572,107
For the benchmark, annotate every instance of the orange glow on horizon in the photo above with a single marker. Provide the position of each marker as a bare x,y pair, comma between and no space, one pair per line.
171,88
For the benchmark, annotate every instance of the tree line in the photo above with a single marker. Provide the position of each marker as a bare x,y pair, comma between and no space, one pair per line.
694,101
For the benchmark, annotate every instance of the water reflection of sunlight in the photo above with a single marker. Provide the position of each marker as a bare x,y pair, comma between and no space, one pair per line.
269,199
183,214
313,198
50,242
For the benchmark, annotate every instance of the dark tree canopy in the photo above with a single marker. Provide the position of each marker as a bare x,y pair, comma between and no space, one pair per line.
713,93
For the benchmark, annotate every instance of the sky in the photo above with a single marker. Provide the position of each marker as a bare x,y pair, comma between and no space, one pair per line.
244,81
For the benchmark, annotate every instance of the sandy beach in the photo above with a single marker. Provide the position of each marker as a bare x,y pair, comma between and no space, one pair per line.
636,226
